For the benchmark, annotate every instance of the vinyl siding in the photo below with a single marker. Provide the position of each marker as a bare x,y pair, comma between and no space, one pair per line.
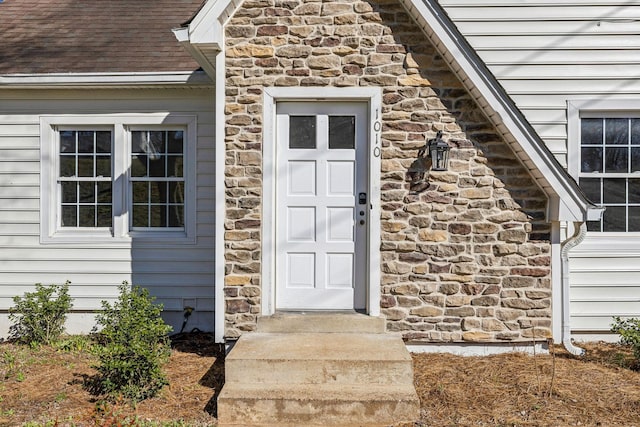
544,53
177,274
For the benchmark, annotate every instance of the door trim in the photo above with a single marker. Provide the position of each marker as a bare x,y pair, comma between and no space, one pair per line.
373,98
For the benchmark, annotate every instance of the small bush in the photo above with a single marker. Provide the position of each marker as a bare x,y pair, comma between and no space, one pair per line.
629,331
39,316
135,346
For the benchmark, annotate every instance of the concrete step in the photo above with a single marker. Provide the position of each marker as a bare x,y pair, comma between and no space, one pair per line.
312,369
315,405
311,358
336,322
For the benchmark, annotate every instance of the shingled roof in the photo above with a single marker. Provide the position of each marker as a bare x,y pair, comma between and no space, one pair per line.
93,36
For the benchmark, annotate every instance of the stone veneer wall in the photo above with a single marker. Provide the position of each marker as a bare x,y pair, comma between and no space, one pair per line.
465,254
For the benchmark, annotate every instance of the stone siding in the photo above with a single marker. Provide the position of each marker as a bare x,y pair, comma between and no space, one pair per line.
465,253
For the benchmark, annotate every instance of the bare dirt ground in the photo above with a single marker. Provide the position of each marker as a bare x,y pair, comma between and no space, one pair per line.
46,387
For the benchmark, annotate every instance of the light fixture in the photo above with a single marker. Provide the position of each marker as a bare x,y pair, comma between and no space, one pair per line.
439,153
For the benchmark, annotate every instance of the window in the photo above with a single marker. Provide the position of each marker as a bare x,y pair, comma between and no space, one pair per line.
157,179
84,176
118,178
610,170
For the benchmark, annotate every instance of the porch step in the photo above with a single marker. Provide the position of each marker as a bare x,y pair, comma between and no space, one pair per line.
333,378
338,322
326,358
316,405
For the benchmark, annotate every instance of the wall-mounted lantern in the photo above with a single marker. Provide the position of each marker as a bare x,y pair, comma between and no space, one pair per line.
439,153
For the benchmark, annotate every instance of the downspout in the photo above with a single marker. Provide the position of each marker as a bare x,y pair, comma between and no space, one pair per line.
579,233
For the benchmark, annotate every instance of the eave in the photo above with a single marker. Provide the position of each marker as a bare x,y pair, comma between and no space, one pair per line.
104,80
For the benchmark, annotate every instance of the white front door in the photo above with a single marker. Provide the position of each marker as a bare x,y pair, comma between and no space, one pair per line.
321,205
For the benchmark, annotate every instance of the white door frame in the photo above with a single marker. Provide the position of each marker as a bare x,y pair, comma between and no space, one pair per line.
373,97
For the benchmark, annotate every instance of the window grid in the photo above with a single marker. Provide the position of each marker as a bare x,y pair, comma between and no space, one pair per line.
84,179
156,182
609,166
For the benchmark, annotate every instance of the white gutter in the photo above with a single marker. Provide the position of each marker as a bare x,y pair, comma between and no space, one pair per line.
579,233
16,81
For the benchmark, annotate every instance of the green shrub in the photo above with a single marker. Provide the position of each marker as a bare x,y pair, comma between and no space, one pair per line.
629,331
135,346
39,316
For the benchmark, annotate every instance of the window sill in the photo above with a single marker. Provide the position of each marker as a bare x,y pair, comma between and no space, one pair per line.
95,237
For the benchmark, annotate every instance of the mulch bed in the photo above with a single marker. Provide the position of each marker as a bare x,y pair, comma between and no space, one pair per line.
47,385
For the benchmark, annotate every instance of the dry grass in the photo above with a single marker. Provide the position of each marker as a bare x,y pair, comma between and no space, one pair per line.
45,385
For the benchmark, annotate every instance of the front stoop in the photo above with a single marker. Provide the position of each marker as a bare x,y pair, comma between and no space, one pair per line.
347,373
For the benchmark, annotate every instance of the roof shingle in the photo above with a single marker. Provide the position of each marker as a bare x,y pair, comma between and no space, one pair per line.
93,36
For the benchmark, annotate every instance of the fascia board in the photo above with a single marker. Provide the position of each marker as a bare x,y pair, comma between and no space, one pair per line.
180,78
205,27
475,74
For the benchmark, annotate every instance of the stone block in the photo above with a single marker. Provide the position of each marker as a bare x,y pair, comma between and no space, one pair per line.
476,336
426,311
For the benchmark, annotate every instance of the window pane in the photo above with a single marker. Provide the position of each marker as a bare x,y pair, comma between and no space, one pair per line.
175,141
67,141
87,192
67,166
103,166
85,141
87,216
614,190
104,192
138,165
176,193
140,216
69,192
140,192
635,160
634,218
69,216
591,159
158,216
617,131
158,192
156,143
591,131
174,166
156,166
342,132
136,142
104,216
634,190
635,131
103,142
616,160
302,132
85,166
591,188
614,218
176,216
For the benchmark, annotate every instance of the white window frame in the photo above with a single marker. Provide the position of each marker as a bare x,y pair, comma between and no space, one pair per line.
599,241
121,127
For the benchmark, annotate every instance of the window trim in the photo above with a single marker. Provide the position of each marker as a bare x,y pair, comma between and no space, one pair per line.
121,126
599,108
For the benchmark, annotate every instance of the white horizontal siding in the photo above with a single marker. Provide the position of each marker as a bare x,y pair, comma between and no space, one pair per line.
544,53
178,275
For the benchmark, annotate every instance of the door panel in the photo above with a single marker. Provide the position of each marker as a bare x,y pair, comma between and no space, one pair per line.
320,228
